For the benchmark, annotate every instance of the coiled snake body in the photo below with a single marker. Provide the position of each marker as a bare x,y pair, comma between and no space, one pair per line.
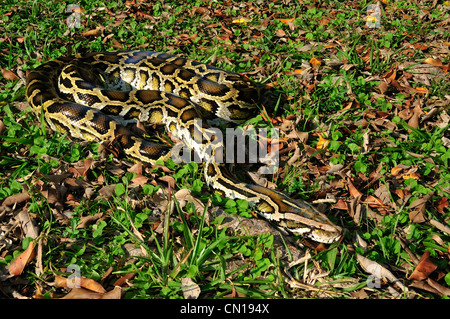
91,97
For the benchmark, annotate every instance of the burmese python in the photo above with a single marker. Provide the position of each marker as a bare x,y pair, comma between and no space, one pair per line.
93,96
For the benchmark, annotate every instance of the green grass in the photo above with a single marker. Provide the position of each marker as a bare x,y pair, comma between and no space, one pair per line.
372,139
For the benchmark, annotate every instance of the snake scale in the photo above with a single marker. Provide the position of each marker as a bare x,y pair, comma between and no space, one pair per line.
93,96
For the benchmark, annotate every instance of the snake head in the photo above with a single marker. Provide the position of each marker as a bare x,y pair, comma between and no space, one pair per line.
296,216
305,220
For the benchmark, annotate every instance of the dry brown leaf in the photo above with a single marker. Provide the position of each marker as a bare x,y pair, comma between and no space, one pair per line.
101,179
107,191
17,265
164,168
354,211
9,75
86,221
434,62
184,196
30,229
200,10
390,75
375,202
417,209
442,203
106,274
366,57
92,285
352,189
414,120
341,204
83,167
160,200
383,194
136,168
295,157
346,106
60,281
50,193
71,200
140,180
92,32
418,215
424,268
16,199
81,293
280,33
116,44
169,180
400,193
360,294
401,88
405,114
78,282
302,137
123,281
397,169
77,183
261,180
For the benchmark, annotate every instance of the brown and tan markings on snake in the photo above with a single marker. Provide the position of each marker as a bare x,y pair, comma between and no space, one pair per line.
93,96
